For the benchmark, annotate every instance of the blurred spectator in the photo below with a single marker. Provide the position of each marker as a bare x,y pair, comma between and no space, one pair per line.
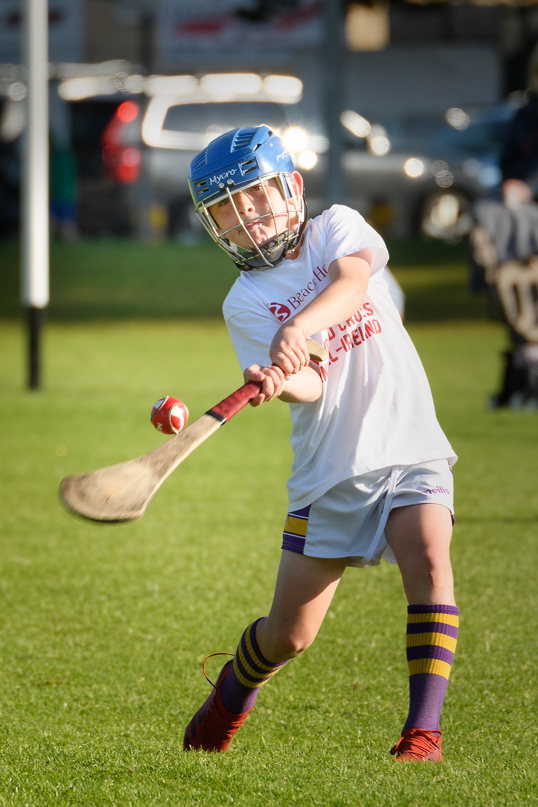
505,251
508,228
519,161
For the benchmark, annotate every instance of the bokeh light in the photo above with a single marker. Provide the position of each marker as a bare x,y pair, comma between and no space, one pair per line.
295,139
307,159
355,123
127,111
457,118
414,167
378,141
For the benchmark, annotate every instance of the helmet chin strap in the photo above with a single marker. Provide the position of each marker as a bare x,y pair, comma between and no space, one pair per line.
269,255
277,248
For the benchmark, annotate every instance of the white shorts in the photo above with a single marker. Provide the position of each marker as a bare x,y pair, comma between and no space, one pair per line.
349,520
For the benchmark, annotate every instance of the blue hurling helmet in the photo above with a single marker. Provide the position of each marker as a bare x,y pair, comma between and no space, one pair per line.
237,161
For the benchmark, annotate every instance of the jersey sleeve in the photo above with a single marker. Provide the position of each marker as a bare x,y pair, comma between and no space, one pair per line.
347,233
250,325
251,338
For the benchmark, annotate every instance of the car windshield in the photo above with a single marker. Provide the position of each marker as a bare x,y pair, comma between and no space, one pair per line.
485,133
223,117
480,137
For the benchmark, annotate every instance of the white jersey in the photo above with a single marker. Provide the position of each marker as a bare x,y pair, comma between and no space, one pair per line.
376,408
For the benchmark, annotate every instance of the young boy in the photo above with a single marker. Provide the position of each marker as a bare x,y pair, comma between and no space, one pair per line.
371,475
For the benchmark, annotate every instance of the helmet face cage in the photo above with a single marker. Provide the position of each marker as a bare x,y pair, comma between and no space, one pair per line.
269,254
237,161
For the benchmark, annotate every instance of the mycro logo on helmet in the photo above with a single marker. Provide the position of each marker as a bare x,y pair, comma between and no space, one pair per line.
281,312
216,179
283,156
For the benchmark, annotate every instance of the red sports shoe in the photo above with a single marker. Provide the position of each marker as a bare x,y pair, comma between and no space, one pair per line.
418,745
212,728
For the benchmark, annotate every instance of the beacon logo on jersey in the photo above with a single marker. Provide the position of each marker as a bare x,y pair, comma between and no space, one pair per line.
280,311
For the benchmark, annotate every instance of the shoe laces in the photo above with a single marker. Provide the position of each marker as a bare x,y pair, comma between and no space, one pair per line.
417,741
211,655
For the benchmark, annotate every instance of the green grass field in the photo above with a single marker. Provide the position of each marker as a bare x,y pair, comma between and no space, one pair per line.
104,627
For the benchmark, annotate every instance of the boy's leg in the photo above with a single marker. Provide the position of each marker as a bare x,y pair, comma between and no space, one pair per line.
419,536
304,590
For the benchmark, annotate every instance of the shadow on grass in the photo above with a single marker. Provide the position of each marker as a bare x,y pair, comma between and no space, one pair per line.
116,279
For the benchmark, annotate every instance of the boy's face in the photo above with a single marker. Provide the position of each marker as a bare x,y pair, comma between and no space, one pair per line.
255,208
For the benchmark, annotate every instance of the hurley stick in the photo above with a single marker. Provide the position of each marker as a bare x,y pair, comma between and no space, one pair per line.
122,492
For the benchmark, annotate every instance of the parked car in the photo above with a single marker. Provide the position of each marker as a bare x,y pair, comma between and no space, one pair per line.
463,155
419,175
101,207
134,139
422,174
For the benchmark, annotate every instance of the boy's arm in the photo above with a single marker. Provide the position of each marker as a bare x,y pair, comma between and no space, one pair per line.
303,387
344,295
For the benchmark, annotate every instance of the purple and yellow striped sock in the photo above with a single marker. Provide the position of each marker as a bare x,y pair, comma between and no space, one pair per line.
432,633
251,670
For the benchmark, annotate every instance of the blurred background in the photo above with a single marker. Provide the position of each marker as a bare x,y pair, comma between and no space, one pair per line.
397,108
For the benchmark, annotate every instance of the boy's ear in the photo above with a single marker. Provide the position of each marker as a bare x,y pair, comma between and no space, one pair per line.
299,180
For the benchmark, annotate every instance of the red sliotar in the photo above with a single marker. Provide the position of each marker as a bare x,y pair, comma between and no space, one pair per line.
213,727
418,745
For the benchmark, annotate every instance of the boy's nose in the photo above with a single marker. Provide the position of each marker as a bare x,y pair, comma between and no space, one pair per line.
243,202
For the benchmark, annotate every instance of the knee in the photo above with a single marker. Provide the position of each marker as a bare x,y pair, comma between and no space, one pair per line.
429,559
435,569
436,574
281,644
426,577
